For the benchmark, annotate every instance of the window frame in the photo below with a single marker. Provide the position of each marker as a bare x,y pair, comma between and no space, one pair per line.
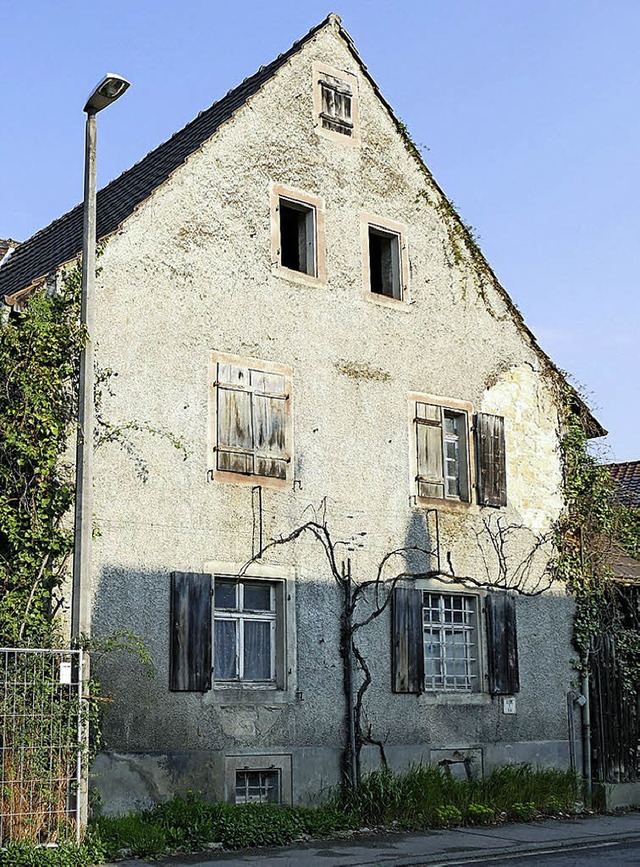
473,646
348,80
387,228
461,408
283,689
274,762
254,364
241,616
298,200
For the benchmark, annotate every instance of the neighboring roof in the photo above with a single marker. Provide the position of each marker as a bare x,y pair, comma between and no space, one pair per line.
624,568
61,241
627,480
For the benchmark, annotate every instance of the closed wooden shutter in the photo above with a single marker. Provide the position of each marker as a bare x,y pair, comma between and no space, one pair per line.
270,423
407,640
428,424
502,644
491,460
235,421
191,627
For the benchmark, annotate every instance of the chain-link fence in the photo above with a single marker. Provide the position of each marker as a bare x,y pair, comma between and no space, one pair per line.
42,730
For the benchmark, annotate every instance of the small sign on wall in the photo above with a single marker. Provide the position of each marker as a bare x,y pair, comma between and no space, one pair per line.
509,705
65,672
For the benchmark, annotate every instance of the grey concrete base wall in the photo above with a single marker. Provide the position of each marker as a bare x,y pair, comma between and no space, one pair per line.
128,782
616,796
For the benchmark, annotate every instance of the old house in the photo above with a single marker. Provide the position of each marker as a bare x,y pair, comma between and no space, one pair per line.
287,291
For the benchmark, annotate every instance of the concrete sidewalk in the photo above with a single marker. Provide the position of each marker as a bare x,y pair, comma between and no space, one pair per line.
435,848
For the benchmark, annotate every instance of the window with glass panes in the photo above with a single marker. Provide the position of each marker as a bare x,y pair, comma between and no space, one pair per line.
449,636
257,787
244,631
442,453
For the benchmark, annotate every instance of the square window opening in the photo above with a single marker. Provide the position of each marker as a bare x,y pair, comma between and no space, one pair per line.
384,263
449,642
258,787
297,237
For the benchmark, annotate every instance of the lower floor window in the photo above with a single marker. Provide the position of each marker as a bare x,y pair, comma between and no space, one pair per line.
258,787
244,631
450,658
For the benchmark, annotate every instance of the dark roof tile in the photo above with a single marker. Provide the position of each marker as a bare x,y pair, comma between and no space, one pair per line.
627,480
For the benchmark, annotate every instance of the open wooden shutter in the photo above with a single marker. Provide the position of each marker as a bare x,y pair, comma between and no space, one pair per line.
428,423
491,460
407,640
502,644
191,627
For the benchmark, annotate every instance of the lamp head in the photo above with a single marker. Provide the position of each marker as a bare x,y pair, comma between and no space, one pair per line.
107,91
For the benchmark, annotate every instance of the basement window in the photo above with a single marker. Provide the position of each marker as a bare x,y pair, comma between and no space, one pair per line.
385,273
258,787
297,236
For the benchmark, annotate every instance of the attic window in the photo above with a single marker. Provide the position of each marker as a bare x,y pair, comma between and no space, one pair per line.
297,237
335,104
337,97
384,263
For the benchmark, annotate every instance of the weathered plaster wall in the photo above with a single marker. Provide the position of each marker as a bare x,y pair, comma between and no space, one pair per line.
191,272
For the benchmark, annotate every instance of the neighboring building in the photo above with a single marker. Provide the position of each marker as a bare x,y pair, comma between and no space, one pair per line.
286,289
626,477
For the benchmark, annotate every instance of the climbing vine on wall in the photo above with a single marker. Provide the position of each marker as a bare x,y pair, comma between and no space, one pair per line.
594,527
39,351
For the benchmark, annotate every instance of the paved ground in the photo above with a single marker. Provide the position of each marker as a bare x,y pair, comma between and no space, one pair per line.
596,840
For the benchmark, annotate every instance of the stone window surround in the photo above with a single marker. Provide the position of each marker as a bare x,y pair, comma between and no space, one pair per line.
251,694
309,200
318,69
447,403
392,227
216,475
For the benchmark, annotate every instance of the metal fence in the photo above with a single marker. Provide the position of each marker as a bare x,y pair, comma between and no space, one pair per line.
42,734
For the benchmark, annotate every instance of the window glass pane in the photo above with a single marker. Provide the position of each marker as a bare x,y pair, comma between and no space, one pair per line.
224,650
257,650
257,787
257,597
225,594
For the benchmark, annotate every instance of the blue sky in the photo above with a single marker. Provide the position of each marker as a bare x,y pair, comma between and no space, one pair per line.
527,113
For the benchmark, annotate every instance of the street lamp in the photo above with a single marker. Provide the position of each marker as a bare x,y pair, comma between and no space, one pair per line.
107,91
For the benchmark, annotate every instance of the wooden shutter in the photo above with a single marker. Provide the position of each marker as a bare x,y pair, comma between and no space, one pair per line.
491,460
270,424
407,640
502,644
235,426
191,627
428,423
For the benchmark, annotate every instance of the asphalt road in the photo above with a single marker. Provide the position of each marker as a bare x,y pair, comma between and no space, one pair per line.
605,854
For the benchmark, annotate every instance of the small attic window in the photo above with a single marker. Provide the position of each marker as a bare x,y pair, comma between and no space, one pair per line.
335,104
337,97
297,237
384,263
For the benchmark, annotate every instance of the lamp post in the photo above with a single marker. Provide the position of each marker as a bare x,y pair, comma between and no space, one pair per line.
107,91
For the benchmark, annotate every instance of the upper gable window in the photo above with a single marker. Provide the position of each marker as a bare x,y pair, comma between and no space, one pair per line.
251,418
297,234
335,103
337,99
385,260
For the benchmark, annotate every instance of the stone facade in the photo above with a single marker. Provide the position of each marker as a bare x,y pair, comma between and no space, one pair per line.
194,271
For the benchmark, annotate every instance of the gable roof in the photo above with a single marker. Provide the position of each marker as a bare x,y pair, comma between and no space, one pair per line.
61,241
626,477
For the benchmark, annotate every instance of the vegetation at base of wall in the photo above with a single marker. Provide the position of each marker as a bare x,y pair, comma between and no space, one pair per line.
420,799
22,855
